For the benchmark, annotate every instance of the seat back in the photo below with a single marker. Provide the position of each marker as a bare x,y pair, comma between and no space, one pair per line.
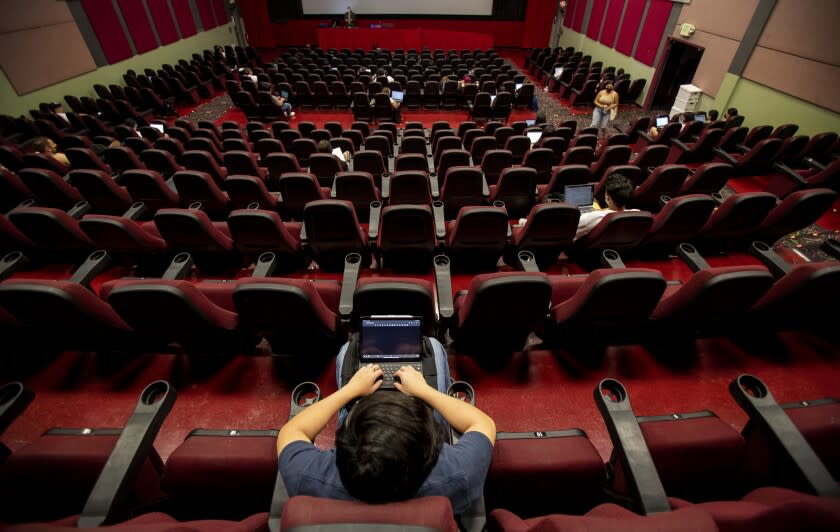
797,211
243,190
501,310
593,303
707,179
476,239
120,159
149,187
297,189
53,230
332,230
407,237
101,191
516,188
493,162
462,186
191,231
549,229
121,236
357,188
49,188
242,163
738,216
160,161
257,231
426,513
199,186
666,180
680,220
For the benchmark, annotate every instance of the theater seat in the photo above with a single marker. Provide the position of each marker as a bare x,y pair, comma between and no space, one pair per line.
148,187
499,311
736,218
548,230
606,518
797,211
427,513
618,231
296,316
680,220
122,237
177,311
101,191
191,231
476,239
194,186
52,231
801,298
333,231
49,188
407,240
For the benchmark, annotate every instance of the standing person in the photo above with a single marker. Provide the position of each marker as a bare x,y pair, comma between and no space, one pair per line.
605,101
391,446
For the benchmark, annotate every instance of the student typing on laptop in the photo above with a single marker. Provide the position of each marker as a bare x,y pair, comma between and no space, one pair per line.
391,446
617,192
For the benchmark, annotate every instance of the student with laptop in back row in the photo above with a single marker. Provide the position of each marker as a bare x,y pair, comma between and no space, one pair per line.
391,446
618,189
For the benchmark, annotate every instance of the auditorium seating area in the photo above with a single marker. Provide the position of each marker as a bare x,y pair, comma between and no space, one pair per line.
229,260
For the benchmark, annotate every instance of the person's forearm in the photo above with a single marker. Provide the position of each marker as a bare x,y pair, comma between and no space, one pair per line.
461,415
315,417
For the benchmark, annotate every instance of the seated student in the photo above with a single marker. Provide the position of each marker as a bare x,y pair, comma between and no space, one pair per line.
324,146
732,118
712,116
284,105
46,146
381,73
58,109
684,118
247,73
391,446
617,193
395,105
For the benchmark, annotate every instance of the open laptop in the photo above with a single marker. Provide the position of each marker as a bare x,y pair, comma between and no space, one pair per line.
580,196
518,86
558,71
662,121
284,94
534,136
391,342
700,117
530,122
159,127
397,95
492,98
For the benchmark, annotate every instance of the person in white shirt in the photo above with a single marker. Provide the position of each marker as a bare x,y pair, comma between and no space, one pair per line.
618,190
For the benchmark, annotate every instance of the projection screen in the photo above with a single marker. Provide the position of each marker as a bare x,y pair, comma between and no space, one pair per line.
478,8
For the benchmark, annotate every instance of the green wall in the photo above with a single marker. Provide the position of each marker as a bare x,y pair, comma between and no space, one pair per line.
609,56
760,105
15,105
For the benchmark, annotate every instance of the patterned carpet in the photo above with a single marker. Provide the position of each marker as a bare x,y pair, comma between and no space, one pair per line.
212,110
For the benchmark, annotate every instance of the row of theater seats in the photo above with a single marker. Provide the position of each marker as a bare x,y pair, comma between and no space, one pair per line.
404,227
232,314
682,471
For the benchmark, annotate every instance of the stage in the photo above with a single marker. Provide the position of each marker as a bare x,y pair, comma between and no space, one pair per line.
390,38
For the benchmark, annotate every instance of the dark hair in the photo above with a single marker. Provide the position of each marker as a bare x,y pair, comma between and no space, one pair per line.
713,115
732,111
39,144
324,146
387,446
688,117
619,188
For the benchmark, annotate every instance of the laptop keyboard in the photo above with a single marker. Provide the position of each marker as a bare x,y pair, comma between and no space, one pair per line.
587,208
389,368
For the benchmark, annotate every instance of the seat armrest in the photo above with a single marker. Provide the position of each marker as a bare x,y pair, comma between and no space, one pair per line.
373,220
440,222
527,262
641,476
776,264
126,459
386,185
485,190
725,156
96,263
303,238
813,163
443,286
611,259
80,209
136,211
352,265
10,263
741,148
434,184
14,398
692,257
663,199
680,144
790,173
753,396
718,197
179,268
332,189
265,265
646,136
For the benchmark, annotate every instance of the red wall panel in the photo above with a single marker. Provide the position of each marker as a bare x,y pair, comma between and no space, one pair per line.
184,16
630,26
138,25
221,16
538,20
205,11
570,11
162,18
655,21
596,18
611,23
305,31
580,11
103,18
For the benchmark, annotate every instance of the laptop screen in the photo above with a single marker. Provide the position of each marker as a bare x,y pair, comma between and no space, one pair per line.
492,99
661,121
530,122
700,117
534,136
558,71
578,195
284,94
390,338
397,95
157,126
518,86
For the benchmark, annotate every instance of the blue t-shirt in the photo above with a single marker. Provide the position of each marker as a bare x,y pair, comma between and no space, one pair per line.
458,474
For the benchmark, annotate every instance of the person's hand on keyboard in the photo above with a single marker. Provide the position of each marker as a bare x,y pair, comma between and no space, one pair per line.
367,380
410,382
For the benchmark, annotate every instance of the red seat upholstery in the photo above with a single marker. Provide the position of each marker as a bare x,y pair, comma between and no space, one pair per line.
121,237
50,189
462,187
295,315
358,188
191,231
516,189
737,217
195,186
606,518
797,211
801,297
500,311
409,187
244,190
101,191
548,230
85,158
618,231
258,231
427,513
160,161
706,179
609,156
52,230
666,180
476,238
148,186
243,163
407,239
680,220
121,158
333,231
493,163
202,161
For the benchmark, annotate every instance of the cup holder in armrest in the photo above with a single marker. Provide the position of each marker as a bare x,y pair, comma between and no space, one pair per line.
305,394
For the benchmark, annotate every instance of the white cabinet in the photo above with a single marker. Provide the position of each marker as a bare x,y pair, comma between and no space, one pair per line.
687,99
